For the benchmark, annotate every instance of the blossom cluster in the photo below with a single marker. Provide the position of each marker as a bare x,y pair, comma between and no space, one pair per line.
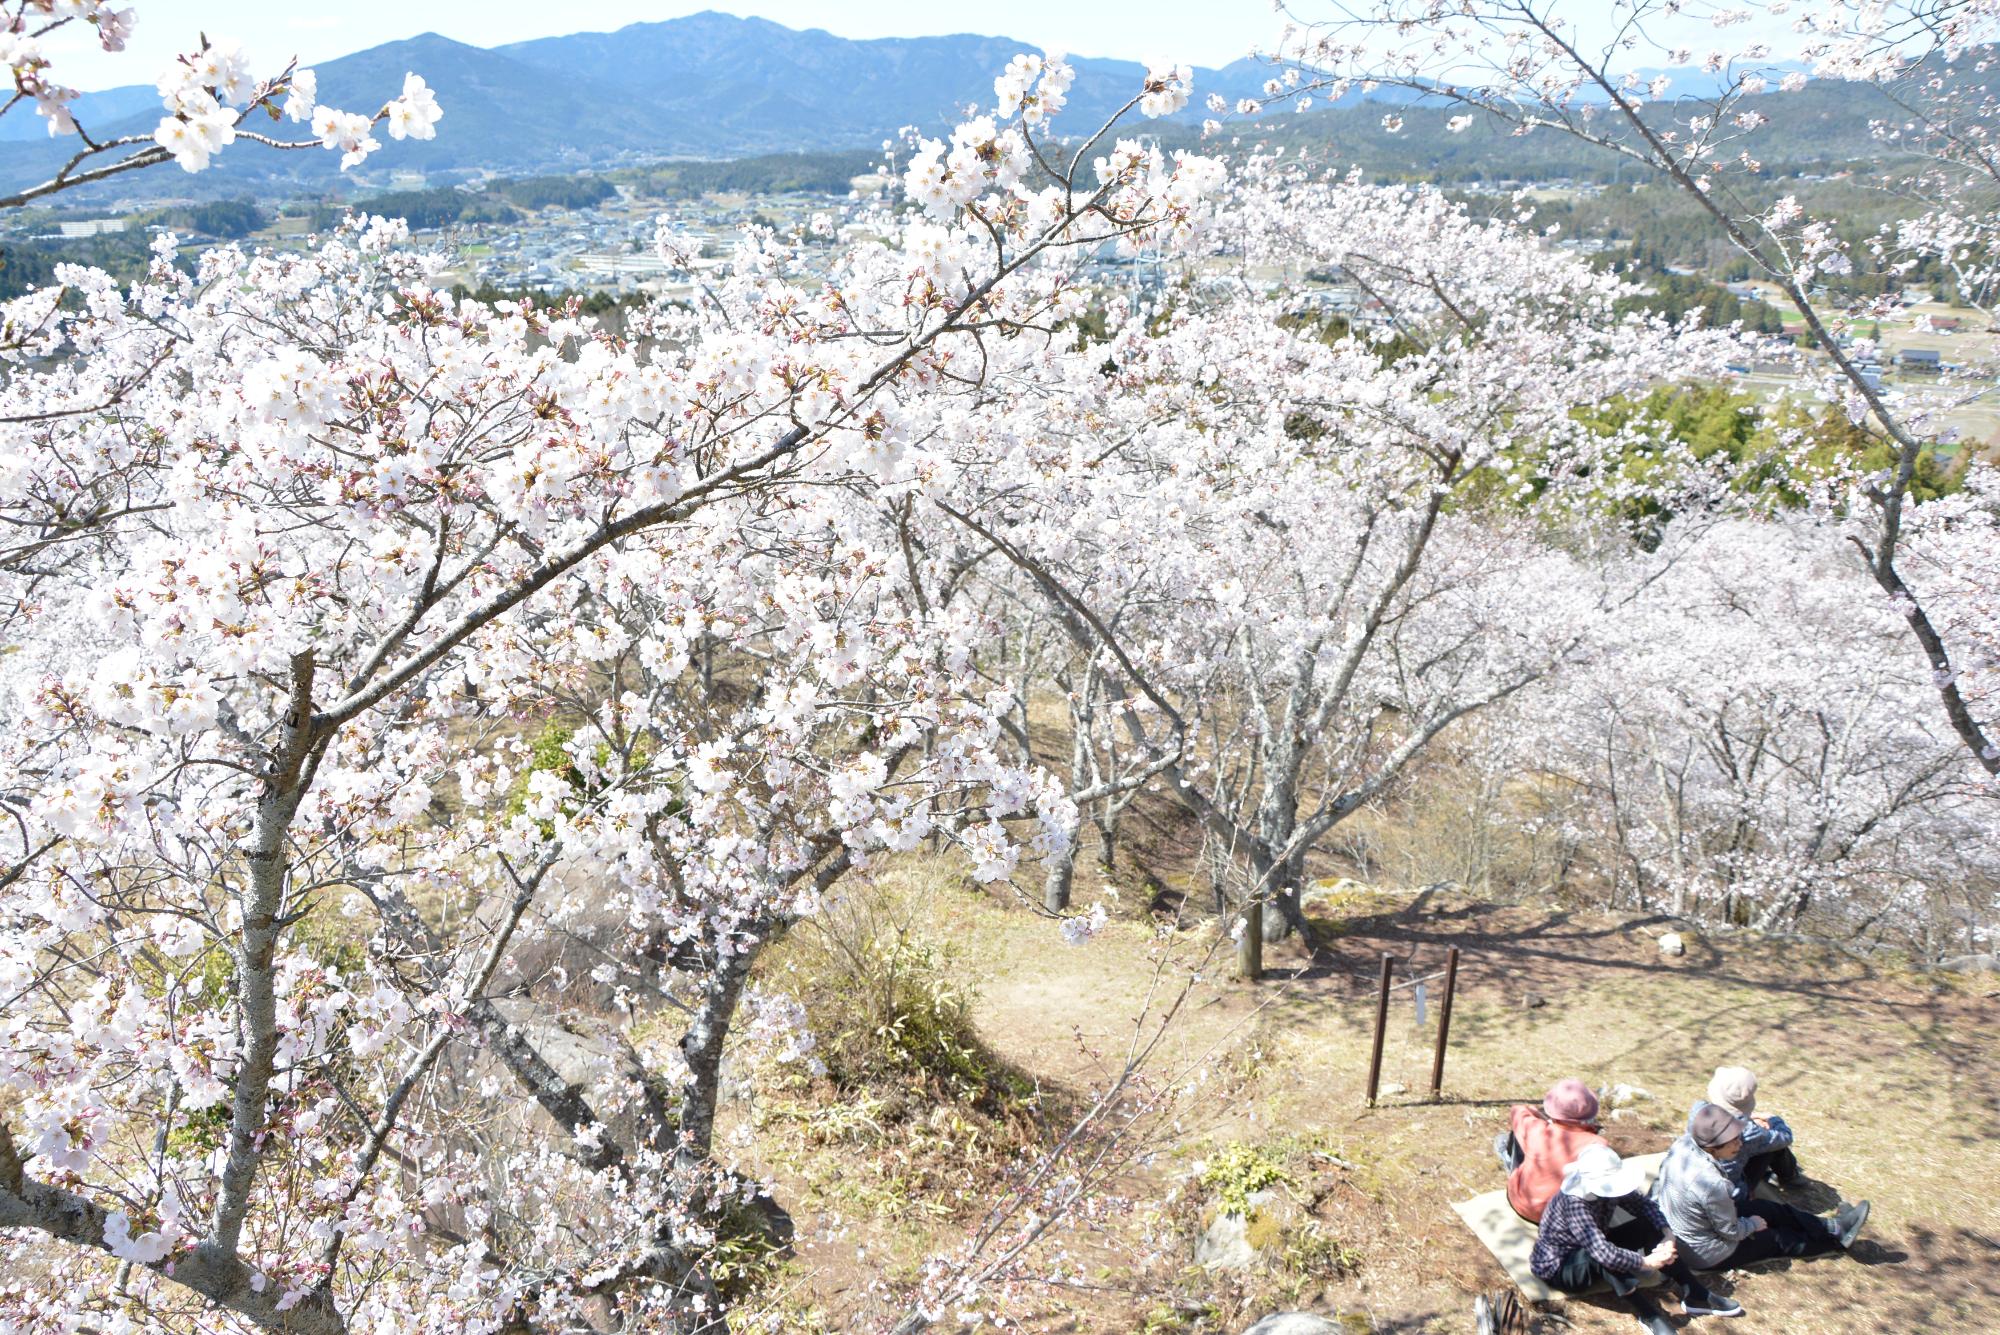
208,94
22,52
1035,86
1767,750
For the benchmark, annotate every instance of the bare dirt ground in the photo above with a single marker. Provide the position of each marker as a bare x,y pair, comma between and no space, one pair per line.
1888,1078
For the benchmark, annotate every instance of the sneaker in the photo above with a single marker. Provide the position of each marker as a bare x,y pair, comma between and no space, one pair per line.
1703,1302
1482,1317
1500,1151
1654,1320
1847,1224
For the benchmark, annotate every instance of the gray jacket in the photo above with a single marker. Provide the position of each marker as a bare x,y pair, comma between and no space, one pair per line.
1757,1139
1695,1196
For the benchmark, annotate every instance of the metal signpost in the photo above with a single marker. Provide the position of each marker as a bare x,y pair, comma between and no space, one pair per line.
1422,997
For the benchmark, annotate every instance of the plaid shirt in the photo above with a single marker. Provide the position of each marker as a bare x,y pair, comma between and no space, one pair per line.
1572,1222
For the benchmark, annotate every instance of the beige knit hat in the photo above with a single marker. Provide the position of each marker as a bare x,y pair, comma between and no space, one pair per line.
1734,1088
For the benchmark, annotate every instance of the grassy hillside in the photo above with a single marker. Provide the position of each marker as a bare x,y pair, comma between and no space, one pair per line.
1884,1075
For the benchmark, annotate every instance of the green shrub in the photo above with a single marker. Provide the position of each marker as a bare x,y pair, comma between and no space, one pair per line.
1237,1172
548,751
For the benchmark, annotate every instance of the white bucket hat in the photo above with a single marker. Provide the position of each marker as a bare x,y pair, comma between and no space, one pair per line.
1598,1171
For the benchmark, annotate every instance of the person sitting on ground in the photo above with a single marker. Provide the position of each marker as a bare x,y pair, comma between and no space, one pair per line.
1542,1142
1697,1199
1767,1141
1579,1248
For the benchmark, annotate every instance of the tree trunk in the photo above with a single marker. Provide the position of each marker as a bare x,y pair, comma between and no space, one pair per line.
701,1047
1058,871
1218,878
1277,886
1105,824
1284,911
1250,944
285,784
1277,822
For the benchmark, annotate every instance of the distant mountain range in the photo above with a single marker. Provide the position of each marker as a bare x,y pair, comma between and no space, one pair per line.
709,85
706,86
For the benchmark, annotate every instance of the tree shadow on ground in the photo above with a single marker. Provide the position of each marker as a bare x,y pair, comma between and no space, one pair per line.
1952,1265
1813,1196
1866,1252
1532,958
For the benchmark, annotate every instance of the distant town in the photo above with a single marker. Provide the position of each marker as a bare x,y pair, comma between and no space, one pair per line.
593,236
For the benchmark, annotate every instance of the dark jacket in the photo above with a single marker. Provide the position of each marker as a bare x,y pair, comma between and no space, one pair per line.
1570,1223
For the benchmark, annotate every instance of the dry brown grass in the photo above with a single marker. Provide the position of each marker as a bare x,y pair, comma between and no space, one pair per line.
1886,1076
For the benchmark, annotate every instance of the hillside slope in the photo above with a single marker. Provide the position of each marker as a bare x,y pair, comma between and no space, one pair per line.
1885,1075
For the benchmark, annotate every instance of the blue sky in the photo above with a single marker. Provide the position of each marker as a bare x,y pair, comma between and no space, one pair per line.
1203,32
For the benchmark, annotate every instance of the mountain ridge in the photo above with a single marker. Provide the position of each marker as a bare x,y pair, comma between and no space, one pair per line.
707,85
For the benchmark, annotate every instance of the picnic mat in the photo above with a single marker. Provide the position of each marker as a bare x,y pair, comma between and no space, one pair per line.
1511,1238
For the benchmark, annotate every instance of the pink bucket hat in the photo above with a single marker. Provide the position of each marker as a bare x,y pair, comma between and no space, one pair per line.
1734,1088
1570,1101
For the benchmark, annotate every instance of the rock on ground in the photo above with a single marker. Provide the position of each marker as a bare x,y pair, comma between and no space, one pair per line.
1225,1244
1239,1241
1294,1323
1624,1095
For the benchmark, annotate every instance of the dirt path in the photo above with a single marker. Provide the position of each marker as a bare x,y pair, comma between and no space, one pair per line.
1888,1078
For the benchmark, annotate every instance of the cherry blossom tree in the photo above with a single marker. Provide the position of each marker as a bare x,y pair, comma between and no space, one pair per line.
372,653
1952,547
1755,752
1293,560
1533,66
1106,772
210,96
